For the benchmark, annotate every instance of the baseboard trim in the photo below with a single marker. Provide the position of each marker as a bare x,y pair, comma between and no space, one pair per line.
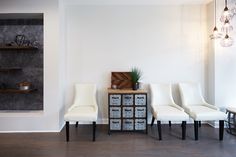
34,131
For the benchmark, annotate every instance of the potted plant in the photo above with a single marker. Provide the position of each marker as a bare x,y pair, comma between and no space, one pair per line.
136,75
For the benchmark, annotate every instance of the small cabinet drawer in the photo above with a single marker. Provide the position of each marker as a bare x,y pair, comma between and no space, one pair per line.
140,112
115,124
127,99
115,112
128,112
128,124
140,124
115,99
140,99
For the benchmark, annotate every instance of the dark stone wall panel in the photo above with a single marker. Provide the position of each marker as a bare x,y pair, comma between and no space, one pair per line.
31,62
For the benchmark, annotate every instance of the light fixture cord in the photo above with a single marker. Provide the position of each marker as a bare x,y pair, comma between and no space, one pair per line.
215,13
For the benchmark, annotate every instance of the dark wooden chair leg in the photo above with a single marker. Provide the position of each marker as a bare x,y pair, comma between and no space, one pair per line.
196,130
67,131
183,130
153,119
200,124
94,131
170,124
76,124
221,130
159,129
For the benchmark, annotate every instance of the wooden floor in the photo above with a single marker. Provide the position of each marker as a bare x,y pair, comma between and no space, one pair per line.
118,144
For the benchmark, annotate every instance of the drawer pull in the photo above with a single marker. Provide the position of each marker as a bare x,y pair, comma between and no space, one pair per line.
115,122
115,110
128,122
140,122
140,109
127,110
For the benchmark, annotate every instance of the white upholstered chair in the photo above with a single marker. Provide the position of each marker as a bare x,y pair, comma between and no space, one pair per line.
164,108
198,109
84,107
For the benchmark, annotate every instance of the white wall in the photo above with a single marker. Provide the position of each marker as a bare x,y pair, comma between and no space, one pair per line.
222,62
48,119
168,43
210,56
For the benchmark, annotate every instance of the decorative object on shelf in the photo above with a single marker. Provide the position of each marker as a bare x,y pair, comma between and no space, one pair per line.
136,75
20,39
24,85
226,19
114,86
122,80
35,44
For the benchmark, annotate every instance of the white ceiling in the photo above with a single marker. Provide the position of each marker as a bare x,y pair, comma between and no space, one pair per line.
135,2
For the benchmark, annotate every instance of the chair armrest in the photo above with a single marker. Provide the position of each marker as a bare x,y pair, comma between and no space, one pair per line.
187,109
211,106
96,108
178,107
71,107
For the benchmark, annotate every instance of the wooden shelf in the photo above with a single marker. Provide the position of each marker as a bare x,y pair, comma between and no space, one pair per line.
10,69
17,91
18,48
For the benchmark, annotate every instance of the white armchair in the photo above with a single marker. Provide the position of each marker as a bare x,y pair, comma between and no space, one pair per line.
164,108
198,109
84,107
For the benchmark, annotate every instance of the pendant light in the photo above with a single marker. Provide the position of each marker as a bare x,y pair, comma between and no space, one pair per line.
215,34
226,15
227,27
227,41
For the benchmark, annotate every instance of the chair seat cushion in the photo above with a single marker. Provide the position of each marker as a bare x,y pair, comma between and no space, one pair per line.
201,112
81,113
169,113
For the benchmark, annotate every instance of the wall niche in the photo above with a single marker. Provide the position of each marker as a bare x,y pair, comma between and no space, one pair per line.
21,61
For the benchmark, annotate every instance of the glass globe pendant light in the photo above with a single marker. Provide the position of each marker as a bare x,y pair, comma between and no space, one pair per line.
215,34
226,15
226,26
227,41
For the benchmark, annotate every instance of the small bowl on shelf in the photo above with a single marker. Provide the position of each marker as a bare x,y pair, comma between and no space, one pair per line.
24,85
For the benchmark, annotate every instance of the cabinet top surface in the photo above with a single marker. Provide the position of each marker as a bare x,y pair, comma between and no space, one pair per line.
131,91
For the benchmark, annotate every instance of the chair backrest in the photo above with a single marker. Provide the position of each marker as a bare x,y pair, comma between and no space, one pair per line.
161,94
191,94
85,94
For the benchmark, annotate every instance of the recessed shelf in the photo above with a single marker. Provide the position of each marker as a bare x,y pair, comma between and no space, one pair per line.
18,48
17,91
10,69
